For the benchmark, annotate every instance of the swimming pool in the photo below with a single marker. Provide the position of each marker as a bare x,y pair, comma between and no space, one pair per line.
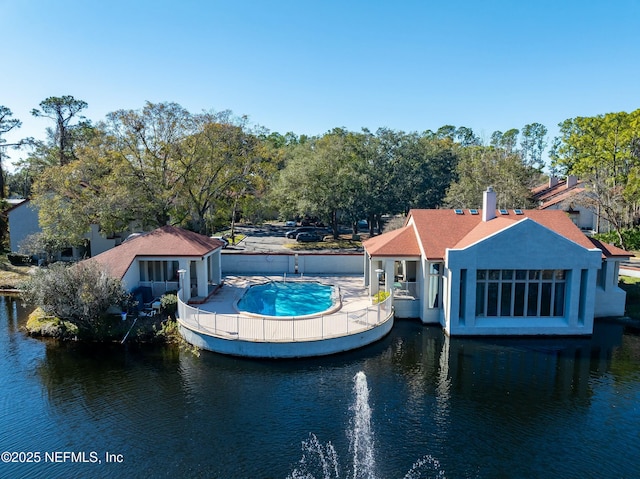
280,298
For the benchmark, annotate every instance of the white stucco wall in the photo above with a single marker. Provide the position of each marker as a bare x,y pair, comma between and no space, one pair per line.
586,219
291,263
526,245
23,221
99,244
610,299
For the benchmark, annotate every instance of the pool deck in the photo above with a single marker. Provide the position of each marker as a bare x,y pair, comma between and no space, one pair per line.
355,295
216,325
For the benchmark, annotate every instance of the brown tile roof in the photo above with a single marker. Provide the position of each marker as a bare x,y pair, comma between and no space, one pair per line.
168,241
547,196
609,250
558,198
437,230
400,242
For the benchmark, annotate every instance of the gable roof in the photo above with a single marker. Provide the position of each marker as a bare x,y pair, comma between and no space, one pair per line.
557,191
438,230
400,242
168,241
14,203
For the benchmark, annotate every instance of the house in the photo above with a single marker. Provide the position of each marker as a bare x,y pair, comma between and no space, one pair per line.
164,257
496,272
568,195
23,221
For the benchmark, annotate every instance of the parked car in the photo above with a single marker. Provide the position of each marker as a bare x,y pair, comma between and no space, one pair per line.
303,229
223,239
290,223
308,237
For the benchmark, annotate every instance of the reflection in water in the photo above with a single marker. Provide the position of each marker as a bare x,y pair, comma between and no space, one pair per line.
478,408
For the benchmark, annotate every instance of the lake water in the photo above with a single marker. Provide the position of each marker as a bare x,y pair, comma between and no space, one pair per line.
438,407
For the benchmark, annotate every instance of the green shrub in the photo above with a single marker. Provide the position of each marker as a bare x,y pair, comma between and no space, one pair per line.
631,238
169,303
380,296
81,293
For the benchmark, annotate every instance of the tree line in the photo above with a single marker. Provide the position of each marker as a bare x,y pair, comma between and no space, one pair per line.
163,164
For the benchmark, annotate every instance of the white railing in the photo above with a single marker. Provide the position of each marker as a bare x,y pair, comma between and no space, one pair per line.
284,329
406,289
159,288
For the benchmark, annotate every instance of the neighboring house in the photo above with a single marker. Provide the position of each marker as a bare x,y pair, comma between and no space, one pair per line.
496,272
567,195
23,221
159,258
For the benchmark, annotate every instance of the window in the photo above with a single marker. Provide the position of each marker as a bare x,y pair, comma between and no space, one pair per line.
520,292
463,295
158,270
434,284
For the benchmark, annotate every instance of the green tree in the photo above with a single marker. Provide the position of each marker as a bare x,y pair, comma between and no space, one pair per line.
466,137
318,179
533,144
81,294
480,167
151,142
62,110
506,142
602,151
7,123
92,189
224,169
429,166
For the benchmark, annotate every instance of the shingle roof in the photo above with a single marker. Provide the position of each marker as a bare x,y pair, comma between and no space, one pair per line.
437,230
547,195
400,242
560,197
167,241
609,250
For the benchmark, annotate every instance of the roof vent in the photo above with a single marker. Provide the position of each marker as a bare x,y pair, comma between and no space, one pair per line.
504,211
518,211
459,211
473,211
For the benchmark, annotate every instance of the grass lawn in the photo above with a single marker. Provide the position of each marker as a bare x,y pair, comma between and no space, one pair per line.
343,243
11,276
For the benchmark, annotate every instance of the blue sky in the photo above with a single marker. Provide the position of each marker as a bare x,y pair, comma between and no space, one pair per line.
310,66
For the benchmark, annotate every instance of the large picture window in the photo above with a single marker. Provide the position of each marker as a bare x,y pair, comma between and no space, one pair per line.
520,292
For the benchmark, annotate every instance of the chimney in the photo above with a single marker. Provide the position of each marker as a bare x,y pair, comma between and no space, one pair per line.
553,181
488,204
572,181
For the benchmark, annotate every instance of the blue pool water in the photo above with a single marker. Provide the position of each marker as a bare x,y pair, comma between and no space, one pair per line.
287,299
